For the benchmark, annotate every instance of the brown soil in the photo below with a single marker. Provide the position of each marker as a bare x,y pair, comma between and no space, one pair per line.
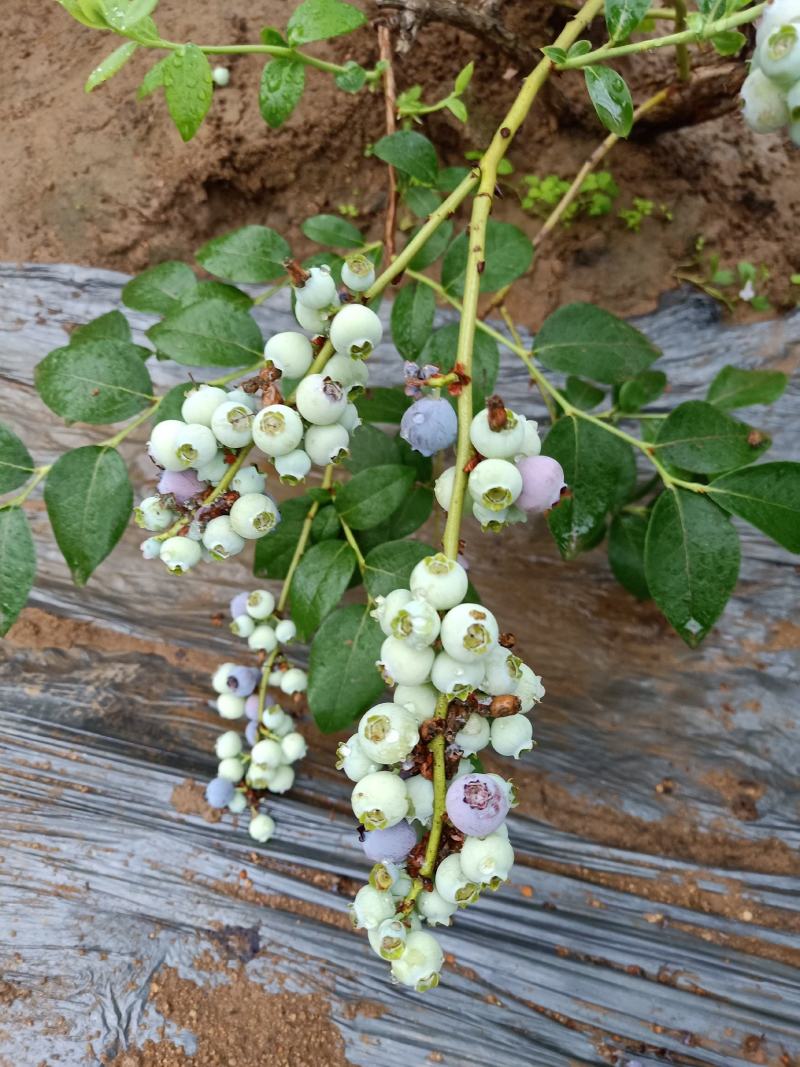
105,180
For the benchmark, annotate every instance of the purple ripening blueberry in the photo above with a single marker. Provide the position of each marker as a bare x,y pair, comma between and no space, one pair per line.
542,482
476,804
219,792
183,485
243,680
392,845
429,425
239,605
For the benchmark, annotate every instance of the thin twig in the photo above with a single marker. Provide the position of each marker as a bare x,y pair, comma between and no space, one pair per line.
390,98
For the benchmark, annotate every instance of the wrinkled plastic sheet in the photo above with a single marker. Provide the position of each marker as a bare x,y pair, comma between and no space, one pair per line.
653,914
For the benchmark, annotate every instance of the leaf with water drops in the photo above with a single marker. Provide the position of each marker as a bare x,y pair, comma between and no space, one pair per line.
188,87
611,98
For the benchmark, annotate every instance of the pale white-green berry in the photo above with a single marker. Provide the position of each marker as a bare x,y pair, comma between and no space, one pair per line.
491,521
371,907
277,430
764,105
232,424
201,402
417,623
356,330
419,965
228,744
779,55
389,938
484,859
245,399
454,677
152,514
503,672
316,322
293,467
386,607
495,484
180,554
380,800
318,290
161,445
351,420
469,633
284,728
512,735
219,679
443,488
420,700
320,400
274,716
285,631
230,706
291,352
232,769
387,733
420,798
452,883
345,370
268,753
402,664
435,909
295,680
221,76
242,626
358,273
529,688
215,470
193,445
258,776
262,639
281,780
248,480
497,444
326,444
353,760
260,604
237,803
510,791
261,828
532,442
473,735
439,580
220,538
294,746
776,14
254,515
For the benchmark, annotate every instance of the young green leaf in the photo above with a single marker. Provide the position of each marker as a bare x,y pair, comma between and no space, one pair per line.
458,108
600,472
16,463
188,88
691,561
94,381
113,326
273,553
611,98
411,153
333,231
343,680
389,566
464,77
211,333
382,405
767,496
623,16
160,289
554,54
626,538
282,84
414,512
371,447
319,583
110,65
736,388
373,494
89,498
352,79
641,390
269,35
508,254
584,339
440,349
582,394
699,437
154,79
121,15
412,319
17,565
252,254
433,248
728,42
316,20
87,12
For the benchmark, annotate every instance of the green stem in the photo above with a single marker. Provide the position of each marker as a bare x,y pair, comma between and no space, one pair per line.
681,51
21,497
350,538
276,51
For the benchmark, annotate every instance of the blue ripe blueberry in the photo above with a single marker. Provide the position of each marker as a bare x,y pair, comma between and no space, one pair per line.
393,844
219,792
251,731
242,680
429,425
476,805
251,707
238,605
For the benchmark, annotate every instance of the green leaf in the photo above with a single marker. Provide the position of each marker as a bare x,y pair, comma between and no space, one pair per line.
17,565
641,390
154,79
458,108
188,88
412,513
421,200
623,16
582,394
433,247
464,77
172,402
508,254
282,85
411,153
269,35
728,42
159,289
584,339
449,178
16,463
110,65
94,381
113,326
343,680
382,405
316,20
554,54
210,333
333,231
600,472
611,98
352,79
211,290
579,48
371,447
326,524
412,319
735,388
389,566
440,349
626,538
252,254
319,583
373,494
88,13
274,553
691,561
766,496
89,499
699,437
122,14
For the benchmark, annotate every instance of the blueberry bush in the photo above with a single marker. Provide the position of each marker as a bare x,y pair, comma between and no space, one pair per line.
370,464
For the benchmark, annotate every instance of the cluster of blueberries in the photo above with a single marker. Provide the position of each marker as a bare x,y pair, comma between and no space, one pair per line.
771,91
